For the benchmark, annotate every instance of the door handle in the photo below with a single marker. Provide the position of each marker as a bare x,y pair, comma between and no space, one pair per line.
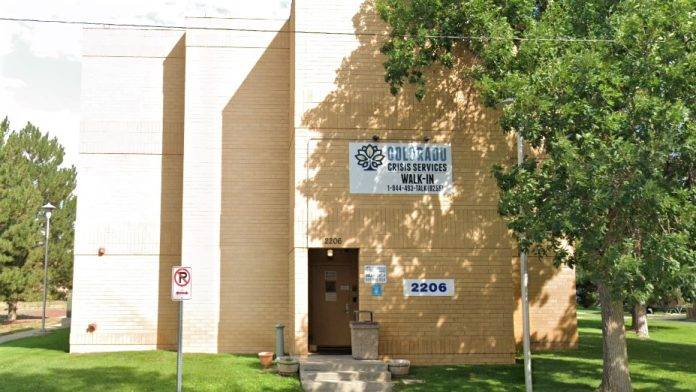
347,308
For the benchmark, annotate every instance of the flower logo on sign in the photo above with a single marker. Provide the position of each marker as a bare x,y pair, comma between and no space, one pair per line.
369,157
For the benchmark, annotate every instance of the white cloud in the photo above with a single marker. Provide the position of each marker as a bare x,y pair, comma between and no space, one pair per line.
7,85
30,53
63,123
59,40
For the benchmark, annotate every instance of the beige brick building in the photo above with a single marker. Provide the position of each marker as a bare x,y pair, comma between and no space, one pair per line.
224,147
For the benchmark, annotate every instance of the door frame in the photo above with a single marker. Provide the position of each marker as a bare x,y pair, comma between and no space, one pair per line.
312,261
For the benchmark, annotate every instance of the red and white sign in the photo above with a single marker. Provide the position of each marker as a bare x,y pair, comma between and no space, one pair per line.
181,283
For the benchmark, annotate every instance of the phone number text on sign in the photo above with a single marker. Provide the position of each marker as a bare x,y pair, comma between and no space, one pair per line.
428,287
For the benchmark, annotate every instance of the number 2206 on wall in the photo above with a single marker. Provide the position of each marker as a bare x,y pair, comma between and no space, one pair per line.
428,287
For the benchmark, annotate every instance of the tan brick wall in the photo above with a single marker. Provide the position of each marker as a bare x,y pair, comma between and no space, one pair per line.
264,176
129,189
236,180
552,315
340,96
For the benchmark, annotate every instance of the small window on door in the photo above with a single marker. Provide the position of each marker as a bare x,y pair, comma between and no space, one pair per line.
330,286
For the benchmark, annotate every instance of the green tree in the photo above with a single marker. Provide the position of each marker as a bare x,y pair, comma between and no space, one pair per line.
31,174
604,94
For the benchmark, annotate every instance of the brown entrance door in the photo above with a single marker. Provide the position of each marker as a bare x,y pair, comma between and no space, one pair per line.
333,296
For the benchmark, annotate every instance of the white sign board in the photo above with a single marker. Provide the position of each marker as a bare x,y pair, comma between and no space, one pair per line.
181,283
375,274
428,287
400,168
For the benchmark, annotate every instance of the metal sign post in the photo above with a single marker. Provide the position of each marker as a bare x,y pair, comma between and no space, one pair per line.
181,291
524,283
179,351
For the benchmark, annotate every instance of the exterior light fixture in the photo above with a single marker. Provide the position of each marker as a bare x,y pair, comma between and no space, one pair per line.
48,211
426,139
375,138
329,253
101,251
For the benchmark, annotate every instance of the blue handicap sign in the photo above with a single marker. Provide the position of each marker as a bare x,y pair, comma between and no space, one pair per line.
377,290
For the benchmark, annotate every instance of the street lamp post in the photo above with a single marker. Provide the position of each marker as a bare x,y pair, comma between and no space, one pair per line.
48,210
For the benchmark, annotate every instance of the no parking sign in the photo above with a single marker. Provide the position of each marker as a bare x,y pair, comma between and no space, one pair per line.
181,283
181,291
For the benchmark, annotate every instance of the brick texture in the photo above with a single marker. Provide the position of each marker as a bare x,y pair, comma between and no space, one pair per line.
339,96
236,226
227,151
129,189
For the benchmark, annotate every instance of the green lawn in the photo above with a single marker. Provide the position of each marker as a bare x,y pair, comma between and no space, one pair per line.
666,362
42,364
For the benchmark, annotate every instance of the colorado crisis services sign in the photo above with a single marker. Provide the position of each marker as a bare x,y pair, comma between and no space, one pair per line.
400,168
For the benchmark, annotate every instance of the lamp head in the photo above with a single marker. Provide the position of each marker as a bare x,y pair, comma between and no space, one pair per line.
48,209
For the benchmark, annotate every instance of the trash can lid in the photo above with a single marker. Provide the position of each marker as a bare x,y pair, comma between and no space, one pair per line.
364,324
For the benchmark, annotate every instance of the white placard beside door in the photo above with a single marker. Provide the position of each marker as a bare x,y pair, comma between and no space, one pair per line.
375,274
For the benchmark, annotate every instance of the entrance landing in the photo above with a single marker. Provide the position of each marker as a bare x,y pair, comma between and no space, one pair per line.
342,373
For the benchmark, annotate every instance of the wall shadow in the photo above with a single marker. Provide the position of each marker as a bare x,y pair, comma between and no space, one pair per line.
173,82
553,316
254,227
456,236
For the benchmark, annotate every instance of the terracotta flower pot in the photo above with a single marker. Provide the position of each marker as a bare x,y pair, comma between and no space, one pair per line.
266,358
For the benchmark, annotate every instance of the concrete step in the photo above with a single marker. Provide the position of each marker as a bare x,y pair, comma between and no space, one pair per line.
345,376
345,367
346,386
342,373
341,363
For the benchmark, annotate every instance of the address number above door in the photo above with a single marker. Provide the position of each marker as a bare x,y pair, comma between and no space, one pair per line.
333,240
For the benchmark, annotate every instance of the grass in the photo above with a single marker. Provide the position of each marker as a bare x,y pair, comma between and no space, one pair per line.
42,364
666,362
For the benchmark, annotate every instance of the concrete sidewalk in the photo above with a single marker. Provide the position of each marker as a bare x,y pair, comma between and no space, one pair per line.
65,323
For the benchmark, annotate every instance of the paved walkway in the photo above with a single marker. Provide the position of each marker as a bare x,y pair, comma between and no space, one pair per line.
34,332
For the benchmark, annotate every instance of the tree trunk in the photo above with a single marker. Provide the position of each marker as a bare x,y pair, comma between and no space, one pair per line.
615,373
11,311
640,320
691,312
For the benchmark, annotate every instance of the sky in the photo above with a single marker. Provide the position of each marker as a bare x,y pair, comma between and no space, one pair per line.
40,63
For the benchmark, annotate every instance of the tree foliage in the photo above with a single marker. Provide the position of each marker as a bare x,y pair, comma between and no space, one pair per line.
31,174
604,92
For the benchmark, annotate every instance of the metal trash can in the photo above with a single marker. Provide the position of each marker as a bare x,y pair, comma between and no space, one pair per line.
364,337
